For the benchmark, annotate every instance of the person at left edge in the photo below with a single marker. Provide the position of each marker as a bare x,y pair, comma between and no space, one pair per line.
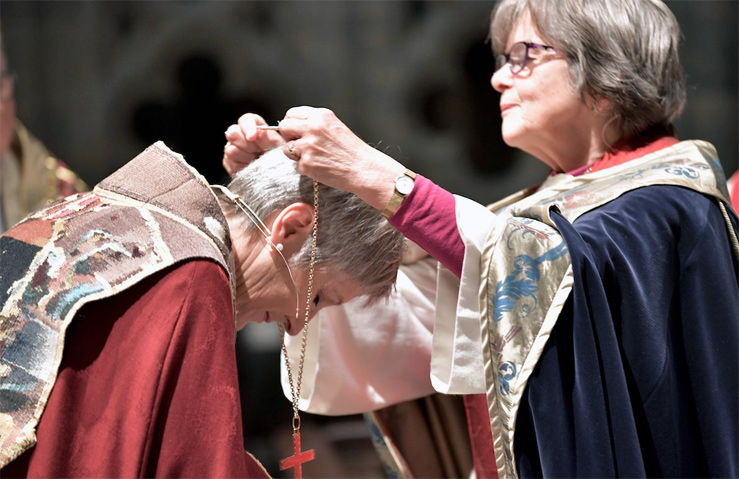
30,176
118,311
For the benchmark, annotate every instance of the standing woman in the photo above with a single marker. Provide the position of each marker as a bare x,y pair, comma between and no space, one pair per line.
597,310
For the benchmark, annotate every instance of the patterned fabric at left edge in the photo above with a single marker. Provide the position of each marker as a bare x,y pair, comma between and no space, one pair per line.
83,248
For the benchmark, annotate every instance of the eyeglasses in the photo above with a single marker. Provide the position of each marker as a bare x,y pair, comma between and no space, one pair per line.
7,86
518,57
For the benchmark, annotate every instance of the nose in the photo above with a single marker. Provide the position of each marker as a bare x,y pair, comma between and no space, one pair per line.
502,78
296,326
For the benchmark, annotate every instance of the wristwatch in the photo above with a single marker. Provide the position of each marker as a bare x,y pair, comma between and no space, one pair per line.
403,186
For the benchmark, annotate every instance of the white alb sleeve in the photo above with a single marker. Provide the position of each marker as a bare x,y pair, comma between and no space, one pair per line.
456,363
362,358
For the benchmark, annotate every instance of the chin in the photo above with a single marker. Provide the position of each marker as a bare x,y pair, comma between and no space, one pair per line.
512,139
241,322
518,137
511,130
245,317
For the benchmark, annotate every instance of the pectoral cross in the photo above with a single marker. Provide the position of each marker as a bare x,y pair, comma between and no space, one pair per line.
298,457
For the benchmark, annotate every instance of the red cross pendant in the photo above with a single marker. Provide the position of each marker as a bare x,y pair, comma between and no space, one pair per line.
298,457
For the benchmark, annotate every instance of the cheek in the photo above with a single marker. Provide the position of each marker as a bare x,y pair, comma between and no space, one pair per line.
549,110
282,298
535,102
549,92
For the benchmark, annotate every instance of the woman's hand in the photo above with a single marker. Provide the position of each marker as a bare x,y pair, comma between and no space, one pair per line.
246,142
329,152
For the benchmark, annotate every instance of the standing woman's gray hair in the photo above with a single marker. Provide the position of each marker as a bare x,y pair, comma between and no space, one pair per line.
352,236
624,51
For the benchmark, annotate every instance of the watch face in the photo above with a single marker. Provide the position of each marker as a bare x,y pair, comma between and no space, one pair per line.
404,185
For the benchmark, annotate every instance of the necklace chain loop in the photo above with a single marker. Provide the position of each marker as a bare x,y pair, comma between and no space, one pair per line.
295,387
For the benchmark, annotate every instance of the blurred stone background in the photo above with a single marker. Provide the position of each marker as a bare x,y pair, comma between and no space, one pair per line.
98,81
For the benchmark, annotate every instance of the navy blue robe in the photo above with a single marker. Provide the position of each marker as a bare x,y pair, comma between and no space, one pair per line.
640,375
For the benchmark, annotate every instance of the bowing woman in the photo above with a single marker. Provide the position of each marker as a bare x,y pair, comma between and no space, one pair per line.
598,309
119,309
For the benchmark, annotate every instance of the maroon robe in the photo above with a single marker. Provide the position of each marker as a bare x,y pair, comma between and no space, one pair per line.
147,386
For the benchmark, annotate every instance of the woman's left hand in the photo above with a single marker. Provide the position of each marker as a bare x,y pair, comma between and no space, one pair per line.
245,142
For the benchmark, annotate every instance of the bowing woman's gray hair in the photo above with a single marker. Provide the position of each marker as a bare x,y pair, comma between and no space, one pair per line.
352,236
625,51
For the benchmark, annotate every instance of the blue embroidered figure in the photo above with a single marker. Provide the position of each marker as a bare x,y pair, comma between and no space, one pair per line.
506,372
689,172
522,283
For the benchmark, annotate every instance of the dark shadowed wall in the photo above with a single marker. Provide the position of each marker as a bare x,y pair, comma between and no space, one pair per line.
99,81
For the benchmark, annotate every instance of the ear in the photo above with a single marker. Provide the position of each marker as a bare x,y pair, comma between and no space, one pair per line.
599,105
292,226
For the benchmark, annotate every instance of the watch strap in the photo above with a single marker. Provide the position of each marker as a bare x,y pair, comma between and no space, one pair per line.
397,198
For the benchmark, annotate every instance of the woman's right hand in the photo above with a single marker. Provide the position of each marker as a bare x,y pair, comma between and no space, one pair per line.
245,142
330,153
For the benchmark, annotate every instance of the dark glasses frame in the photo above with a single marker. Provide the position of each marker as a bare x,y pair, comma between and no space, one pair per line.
519,62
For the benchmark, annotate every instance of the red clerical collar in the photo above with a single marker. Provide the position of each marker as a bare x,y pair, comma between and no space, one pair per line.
629,149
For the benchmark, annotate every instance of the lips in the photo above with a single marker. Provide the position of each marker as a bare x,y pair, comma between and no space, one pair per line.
505,107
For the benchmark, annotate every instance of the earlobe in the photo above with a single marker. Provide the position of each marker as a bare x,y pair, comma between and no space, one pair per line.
600,105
